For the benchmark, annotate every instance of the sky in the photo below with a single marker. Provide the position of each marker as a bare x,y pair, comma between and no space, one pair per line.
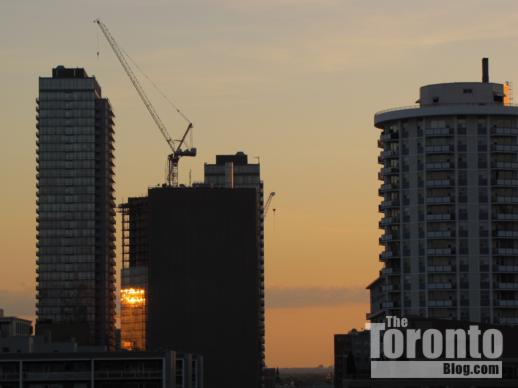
293,82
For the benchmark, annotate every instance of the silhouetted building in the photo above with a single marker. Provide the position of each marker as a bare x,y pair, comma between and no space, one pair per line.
193,272
352,356
105,369
449,172
14,326
76,210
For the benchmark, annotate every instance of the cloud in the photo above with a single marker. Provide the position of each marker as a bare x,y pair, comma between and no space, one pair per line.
296,297
18,303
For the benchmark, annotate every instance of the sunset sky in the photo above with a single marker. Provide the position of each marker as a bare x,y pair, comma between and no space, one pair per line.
294,82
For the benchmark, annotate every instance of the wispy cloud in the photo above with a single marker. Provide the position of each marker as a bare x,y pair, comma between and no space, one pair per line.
296,297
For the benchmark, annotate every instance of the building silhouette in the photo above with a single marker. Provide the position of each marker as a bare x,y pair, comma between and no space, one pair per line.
449,172
75,210
193,271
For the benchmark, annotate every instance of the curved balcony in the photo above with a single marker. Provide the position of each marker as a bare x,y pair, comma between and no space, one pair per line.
504,165
440,268
505,183
505,234
440,251
440,303
440,286
442,234
504,148
504,131
506,200
387,187
388,137
439,149
506,252
387,205
445,200
506,217
440,217
507,269
439,166
388,154
438,132
388,221
439,183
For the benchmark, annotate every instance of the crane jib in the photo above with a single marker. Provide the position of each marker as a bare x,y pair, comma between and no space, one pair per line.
177,152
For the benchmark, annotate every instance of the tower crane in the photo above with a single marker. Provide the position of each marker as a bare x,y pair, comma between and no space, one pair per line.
176,145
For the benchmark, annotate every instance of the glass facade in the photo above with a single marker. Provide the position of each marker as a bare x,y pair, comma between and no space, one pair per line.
75,207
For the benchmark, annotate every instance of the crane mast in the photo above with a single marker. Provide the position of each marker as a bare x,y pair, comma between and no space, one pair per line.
177,152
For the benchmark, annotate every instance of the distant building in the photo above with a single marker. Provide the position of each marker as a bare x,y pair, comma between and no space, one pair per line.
105,369
14,327
449,172
193,272
75,210
352,356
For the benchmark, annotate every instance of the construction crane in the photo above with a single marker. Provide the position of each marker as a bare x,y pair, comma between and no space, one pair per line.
176,146
268,202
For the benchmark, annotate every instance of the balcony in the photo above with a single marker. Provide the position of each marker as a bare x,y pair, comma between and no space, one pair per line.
439,166
507,286
388,255
388,305
440,303
385,238
386,137
439,149
387,187
432,132
438,200
387,154
506,165
388,221
440,286
389,171
504,131
507,268
507,216
440,251
387,271
508,320
507,302
506,200
439,234
506,182
439,217
440,268
506,252
387,288
504,148
439,183
387,204
507,234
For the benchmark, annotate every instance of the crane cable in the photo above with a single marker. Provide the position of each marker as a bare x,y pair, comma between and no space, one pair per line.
173,105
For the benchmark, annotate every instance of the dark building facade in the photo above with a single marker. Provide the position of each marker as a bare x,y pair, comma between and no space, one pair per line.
104,369
195,271
75,209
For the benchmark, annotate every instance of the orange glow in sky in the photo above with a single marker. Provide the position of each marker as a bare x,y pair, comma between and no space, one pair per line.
295,82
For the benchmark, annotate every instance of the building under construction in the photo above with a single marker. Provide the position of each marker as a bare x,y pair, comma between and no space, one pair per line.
193,271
